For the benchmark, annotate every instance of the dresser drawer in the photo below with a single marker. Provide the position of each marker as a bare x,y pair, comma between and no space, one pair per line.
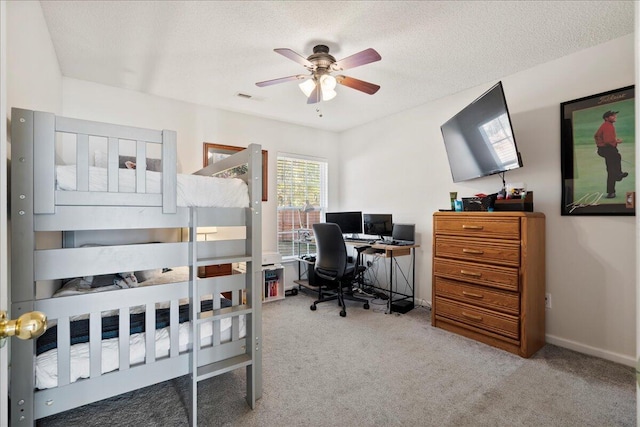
493,299
478,226
481,274
489,320
479,250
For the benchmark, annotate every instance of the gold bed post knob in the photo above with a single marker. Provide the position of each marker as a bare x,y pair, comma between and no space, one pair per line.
29,325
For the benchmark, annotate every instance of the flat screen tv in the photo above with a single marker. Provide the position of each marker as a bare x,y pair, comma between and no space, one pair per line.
479,139
349,222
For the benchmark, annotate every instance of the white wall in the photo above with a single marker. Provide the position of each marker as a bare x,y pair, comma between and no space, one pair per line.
33,73
590,260
196,125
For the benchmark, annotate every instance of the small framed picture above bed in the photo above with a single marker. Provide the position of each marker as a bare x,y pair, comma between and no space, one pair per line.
216,152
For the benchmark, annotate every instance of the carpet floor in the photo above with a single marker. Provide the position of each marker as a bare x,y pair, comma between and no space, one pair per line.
375,369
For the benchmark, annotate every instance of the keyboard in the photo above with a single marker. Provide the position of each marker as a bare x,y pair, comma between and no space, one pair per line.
393,243
357,239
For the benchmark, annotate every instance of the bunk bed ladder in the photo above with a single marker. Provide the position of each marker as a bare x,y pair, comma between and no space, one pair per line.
198,370
253,247
251,358
194,310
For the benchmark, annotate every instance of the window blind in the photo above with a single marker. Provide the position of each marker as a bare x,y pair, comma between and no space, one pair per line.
302,200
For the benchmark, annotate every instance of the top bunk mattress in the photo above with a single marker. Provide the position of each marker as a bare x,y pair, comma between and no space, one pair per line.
192,190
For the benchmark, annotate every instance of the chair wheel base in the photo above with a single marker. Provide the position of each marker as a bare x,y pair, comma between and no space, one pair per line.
313,307
343,313
366,306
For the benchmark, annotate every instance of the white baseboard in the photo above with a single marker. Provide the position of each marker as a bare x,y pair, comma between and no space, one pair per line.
422,302
591,351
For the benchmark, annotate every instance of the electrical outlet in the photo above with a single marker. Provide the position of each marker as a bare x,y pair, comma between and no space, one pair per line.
547,301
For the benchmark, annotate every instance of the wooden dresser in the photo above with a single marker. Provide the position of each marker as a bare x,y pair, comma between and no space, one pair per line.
489,277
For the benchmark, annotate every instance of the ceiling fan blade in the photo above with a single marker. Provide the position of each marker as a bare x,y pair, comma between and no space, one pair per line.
360,85
282,80
315,96
365,57
294,56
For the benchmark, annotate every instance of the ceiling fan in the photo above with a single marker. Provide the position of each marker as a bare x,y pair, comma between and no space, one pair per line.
320,84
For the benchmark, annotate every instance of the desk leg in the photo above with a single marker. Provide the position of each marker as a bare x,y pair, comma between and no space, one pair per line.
390,300
392,266
413,276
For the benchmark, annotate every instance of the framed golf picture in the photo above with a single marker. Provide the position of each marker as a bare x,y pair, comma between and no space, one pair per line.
598,154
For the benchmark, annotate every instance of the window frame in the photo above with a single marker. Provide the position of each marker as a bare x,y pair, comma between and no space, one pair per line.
299,234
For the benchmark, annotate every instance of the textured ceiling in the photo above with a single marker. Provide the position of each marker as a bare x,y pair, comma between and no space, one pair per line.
206,52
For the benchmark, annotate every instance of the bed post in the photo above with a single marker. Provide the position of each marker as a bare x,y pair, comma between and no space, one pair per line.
194,309
254,247
169,177
44,161
23,128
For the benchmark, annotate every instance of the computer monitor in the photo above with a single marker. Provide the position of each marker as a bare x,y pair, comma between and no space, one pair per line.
349,222
404,232
378,224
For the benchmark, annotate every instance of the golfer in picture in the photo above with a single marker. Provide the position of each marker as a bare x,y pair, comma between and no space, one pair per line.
607,144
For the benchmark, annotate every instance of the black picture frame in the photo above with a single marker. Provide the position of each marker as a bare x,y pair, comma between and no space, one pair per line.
585,190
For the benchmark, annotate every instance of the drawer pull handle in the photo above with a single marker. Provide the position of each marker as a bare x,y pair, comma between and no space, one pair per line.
472,251
472,295
471,316
470,273
472,227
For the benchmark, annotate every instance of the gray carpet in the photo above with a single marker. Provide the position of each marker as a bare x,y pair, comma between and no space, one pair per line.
373,369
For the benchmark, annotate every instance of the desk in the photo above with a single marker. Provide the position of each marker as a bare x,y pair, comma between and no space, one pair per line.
392,252
385,251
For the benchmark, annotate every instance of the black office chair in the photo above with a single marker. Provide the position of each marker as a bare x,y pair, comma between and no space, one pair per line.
332,264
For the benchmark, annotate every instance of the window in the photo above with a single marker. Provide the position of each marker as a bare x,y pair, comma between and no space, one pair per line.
302,202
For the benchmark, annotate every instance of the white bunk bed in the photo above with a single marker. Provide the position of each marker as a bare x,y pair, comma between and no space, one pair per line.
229,331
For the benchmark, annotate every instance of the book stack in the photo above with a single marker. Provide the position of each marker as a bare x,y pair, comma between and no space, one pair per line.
271,283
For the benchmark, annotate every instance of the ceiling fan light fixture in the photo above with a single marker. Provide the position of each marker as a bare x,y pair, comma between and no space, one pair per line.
328,82
307,87
328,94
327,85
